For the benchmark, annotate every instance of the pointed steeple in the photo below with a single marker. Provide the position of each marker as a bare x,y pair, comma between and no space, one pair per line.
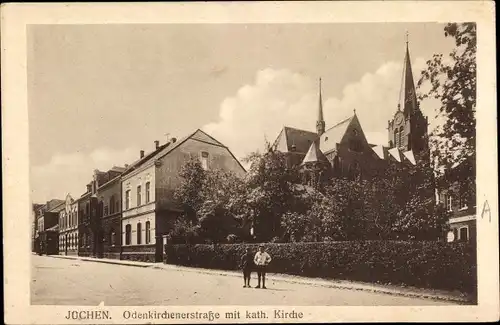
320,123
410,97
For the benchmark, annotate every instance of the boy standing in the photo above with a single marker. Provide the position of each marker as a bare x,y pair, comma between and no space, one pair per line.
246,265
262,259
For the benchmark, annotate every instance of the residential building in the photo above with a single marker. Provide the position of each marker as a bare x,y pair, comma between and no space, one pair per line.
109,201
457,193
148,187
47,226
68,228
34,225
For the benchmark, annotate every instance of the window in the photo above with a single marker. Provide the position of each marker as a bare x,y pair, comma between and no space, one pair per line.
449,206
148,232
112,204
148,195
204,160
400,136
464,234
139,195
139,233
112,235
462,203
106,210
127,199
128,232
117,206
396,138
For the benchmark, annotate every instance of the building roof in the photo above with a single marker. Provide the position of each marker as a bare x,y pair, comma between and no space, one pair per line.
58,208
165,149
52,204
295,140
314,155
334,135
117,169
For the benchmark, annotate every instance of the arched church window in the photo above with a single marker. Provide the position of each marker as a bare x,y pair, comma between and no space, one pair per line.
396,138
401,136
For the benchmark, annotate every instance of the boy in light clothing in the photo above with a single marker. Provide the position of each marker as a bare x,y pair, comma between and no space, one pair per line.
261,260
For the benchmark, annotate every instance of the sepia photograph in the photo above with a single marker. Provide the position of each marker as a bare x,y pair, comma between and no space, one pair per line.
263,164
319,157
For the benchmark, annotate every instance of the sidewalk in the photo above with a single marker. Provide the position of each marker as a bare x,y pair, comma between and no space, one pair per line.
338,284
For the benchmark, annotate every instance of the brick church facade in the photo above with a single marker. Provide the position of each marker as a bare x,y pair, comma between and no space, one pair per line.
343,150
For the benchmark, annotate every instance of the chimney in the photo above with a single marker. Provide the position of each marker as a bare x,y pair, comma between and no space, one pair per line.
126,165
157,144
173,140
142,153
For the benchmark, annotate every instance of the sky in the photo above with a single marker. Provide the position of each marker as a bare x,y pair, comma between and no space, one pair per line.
98,94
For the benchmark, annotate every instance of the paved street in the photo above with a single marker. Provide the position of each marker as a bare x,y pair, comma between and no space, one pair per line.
71,282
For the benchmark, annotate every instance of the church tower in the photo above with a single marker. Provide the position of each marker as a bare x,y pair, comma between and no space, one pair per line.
408,128
320,123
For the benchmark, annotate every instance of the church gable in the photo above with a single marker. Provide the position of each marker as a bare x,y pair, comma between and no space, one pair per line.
280,142
346,133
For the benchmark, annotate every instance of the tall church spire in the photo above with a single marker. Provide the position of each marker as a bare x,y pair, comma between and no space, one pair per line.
320,123
410,97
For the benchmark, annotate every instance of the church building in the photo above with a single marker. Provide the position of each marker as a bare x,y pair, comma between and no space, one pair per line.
342,150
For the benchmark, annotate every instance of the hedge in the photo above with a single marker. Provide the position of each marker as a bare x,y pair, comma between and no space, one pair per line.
424,264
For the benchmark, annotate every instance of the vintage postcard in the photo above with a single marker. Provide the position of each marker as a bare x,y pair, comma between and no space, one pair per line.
273,162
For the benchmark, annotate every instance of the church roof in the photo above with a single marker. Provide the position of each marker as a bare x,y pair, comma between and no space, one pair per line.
395,154
409,155
334,135
314,155
290,137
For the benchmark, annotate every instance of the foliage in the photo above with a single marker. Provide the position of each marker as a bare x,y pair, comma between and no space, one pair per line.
184,231
212,202
272,192
412,263
453,82
398,203
188,192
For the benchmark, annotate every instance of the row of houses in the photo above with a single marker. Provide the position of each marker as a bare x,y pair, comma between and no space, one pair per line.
124,212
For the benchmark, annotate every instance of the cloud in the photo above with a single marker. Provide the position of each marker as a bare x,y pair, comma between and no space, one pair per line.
68,173
283,97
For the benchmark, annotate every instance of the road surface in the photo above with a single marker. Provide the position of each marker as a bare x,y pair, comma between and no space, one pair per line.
57,281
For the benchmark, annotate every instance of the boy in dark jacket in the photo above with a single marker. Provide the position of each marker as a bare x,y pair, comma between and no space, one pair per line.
247,265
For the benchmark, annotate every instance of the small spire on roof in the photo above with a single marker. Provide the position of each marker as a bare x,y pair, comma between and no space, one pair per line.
320,122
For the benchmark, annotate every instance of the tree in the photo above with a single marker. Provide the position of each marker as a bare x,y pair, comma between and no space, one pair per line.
272,192
419,217
188,192
222,212
453,83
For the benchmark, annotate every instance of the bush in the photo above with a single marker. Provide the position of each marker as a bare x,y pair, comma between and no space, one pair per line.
425,264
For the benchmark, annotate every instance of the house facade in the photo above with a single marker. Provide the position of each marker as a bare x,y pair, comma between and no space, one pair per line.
68,228
109,202
87,213
459,198
148,187
35,211
48,227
